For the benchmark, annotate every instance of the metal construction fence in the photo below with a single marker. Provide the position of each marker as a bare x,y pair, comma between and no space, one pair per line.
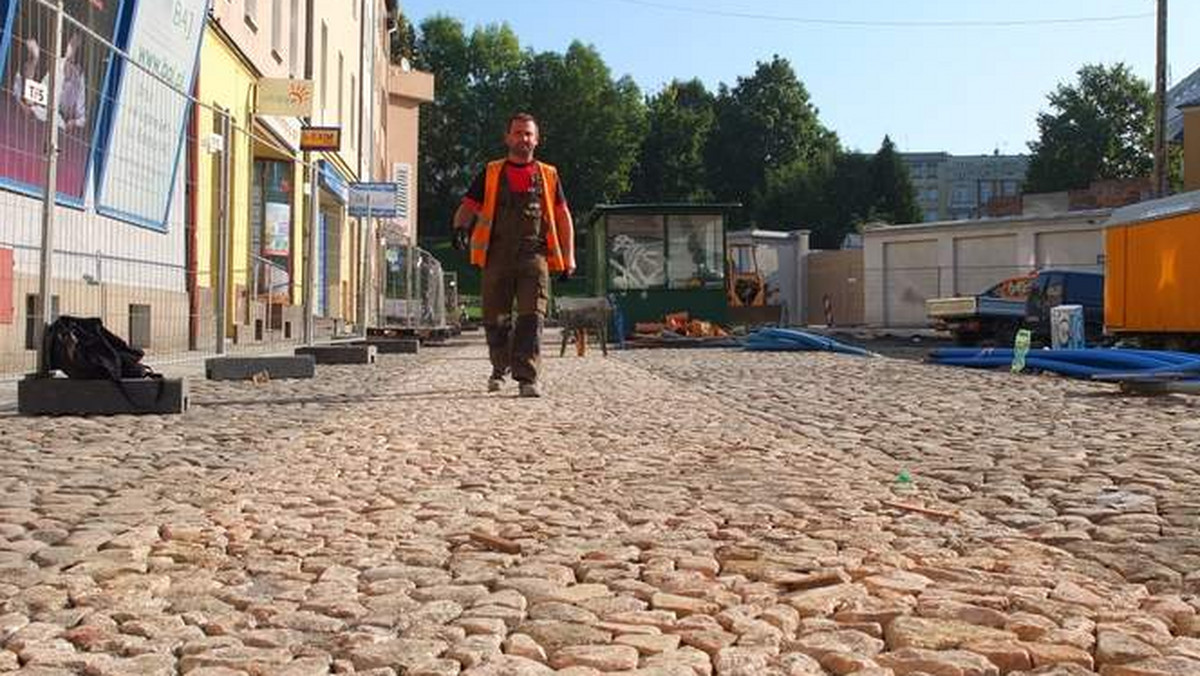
188,227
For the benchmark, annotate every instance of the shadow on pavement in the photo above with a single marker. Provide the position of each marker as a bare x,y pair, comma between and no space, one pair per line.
429,395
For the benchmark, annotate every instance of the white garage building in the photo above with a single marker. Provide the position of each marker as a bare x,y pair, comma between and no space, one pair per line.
906,265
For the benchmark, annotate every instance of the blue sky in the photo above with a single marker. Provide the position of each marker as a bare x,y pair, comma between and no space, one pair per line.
963,89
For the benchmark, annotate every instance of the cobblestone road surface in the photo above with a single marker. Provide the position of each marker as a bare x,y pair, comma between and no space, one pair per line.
660,512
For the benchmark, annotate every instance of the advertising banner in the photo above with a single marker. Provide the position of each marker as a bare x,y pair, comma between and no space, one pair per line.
25,63
138,166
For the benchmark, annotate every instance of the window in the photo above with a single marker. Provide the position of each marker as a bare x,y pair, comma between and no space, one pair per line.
294,41
353,112
250,9
324,69
985,192
354,9
962,195
636,252
277,29
695,252
648,251
931,216
341,88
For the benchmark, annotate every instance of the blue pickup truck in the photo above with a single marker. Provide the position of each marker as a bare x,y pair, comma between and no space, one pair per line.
994,316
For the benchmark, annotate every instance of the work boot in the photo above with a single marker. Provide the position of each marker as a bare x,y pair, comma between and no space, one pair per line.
494,384
530,390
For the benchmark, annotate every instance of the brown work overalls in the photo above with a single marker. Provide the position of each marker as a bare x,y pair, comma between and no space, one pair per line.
516,270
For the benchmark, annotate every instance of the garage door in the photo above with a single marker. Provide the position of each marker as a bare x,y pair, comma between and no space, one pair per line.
981,262
910,277
1080,250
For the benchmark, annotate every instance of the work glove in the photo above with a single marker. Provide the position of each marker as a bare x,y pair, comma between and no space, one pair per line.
461,239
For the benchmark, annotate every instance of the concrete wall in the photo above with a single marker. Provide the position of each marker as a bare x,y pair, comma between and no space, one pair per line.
982,260
906,265
782,261
837,275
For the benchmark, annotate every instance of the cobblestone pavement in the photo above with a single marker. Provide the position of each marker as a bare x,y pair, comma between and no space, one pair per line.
665,512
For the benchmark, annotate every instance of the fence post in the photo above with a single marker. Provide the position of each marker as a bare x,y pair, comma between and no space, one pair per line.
410,267
364,239
310,256
221,299
46,268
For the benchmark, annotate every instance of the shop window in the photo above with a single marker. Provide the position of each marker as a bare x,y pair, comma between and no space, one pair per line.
636,252
271,226
696,252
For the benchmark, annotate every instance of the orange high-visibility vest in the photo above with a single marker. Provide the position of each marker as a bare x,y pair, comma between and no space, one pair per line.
481,236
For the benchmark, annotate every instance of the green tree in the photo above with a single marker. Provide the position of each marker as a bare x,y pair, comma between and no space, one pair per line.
591,125
403,41
498,88
895,200
1100,127
764,123
671,166
446,161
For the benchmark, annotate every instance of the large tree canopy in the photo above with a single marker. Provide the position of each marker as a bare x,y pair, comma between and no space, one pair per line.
1100,127
760,142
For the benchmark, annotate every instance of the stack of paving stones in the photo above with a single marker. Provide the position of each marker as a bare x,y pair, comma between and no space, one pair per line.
657,513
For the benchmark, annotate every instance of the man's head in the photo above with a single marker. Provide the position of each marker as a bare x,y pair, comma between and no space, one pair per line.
522,137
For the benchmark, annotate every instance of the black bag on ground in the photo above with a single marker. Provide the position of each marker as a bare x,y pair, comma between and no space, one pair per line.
82,348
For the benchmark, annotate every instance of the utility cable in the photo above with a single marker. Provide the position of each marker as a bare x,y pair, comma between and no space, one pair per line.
871,23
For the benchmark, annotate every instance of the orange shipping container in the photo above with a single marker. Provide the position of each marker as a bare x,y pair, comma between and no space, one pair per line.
1152,268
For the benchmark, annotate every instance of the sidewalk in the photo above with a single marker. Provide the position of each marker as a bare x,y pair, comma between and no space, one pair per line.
678,512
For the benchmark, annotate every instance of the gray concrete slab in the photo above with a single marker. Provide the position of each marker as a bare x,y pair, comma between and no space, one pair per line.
340,354
394,345
66,396
245,368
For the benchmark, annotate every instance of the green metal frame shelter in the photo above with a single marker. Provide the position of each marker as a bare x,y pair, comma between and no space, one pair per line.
654,259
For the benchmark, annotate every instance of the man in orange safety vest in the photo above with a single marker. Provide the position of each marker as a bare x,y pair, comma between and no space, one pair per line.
515,221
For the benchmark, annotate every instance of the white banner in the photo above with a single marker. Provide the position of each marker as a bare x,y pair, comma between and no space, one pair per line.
143,150
282,97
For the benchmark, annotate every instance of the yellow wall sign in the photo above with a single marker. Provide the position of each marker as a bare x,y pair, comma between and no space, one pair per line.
321,138
285,98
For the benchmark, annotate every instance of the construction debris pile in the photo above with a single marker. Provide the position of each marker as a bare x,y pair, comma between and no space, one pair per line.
678,329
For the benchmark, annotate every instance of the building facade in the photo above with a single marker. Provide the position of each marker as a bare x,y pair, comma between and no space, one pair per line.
193,184
960,187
